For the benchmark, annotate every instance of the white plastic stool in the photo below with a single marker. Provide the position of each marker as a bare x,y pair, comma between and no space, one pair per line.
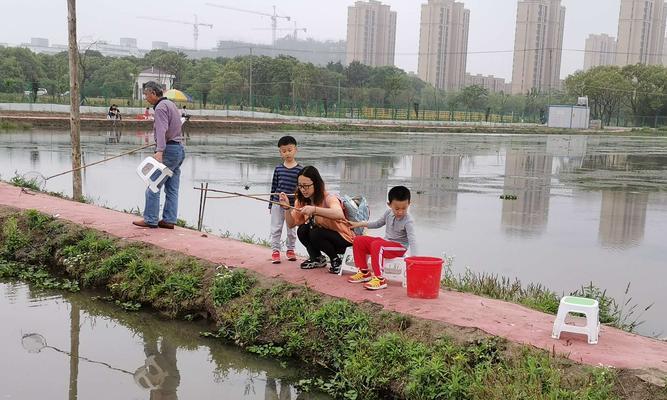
394,268
573,304
147,169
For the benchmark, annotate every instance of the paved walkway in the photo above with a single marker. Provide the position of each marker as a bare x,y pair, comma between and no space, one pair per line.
513,322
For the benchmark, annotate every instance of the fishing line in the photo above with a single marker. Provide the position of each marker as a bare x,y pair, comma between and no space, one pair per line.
40,180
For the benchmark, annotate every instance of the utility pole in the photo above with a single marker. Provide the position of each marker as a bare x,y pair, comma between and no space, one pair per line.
75,120
293,98
250,99
338,106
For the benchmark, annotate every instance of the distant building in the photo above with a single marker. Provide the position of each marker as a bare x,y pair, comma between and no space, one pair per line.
41,45
443,44
312,51
160,46
128,42
641,32
491,83
371,33
538,45
152,74
112,50
600,50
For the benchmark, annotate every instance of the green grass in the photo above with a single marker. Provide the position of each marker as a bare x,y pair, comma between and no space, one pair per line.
7,125
230,284
624,315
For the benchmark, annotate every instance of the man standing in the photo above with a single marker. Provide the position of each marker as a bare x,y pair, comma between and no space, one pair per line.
168,150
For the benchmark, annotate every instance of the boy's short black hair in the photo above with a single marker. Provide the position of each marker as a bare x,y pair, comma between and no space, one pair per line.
286,140
399,193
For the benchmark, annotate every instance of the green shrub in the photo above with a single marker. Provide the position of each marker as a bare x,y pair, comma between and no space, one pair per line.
230,284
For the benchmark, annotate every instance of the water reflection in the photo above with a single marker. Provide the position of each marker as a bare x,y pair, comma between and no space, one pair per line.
169,359
277,390
159,374
528,176
622,218
368,177
435,181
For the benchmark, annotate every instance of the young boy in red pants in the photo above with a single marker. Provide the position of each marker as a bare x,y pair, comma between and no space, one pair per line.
399,236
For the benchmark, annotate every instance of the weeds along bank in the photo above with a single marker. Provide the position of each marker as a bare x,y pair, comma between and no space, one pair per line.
370,354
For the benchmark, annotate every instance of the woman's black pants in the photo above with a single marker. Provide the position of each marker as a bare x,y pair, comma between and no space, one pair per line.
320,240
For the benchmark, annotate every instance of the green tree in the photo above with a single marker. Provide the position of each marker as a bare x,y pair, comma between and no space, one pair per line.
473,97
357,74
646,96
201,76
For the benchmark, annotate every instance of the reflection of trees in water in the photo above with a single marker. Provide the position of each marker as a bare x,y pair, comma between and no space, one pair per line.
528,176
435,184
622,218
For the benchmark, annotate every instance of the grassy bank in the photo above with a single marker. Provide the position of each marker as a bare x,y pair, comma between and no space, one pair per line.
624,315
9,125
371,354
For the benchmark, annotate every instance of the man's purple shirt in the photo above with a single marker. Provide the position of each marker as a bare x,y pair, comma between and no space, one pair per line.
167,124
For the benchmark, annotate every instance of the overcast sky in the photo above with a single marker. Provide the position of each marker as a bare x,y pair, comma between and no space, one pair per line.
491,25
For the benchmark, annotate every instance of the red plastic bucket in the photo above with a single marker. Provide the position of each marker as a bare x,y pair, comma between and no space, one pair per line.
423,275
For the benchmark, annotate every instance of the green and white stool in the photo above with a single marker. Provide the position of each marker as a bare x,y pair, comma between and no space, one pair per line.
582,305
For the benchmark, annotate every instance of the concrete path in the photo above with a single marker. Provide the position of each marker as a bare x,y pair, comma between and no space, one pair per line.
513,322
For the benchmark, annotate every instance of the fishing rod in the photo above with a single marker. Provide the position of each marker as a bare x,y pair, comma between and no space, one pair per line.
237,194
254,194
101,161
40,180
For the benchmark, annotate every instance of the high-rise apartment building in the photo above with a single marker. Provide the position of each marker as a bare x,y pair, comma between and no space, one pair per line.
491,83
443,44
600,50
538,45
641,32
371,33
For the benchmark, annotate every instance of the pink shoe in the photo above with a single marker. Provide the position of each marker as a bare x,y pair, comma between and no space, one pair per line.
291,255
275,257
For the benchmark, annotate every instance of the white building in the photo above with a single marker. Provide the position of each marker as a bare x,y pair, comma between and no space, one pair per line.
152,74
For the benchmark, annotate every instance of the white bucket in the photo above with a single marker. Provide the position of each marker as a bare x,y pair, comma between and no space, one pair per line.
148,168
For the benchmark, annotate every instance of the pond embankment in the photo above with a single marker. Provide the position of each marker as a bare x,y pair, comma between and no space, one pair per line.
377,345
58,120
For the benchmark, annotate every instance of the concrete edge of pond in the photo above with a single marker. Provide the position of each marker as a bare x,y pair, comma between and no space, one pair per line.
91,121
510,321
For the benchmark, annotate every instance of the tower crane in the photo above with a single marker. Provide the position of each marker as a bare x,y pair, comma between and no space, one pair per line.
274,17
195,25
296,30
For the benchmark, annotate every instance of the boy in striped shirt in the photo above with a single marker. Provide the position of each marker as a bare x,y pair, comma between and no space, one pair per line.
284,180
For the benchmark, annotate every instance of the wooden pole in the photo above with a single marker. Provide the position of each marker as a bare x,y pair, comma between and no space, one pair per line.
75,120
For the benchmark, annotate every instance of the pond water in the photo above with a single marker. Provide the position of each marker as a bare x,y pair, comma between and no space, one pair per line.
72,346
588,208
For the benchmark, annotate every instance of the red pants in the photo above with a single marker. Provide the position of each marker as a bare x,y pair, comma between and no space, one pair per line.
378,249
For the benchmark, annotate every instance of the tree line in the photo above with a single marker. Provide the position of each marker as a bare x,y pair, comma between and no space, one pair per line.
284,83
637,92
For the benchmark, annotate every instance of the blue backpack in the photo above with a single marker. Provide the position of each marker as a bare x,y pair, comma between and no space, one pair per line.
356,210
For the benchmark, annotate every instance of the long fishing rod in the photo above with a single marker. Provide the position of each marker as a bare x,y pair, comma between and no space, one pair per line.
244,195
253,194
98,162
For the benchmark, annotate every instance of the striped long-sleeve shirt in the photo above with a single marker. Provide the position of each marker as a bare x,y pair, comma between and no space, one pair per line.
284,180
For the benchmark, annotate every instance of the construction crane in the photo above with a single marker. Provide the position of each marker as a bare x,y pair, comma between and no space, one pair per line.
274,17
195,25
296,30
